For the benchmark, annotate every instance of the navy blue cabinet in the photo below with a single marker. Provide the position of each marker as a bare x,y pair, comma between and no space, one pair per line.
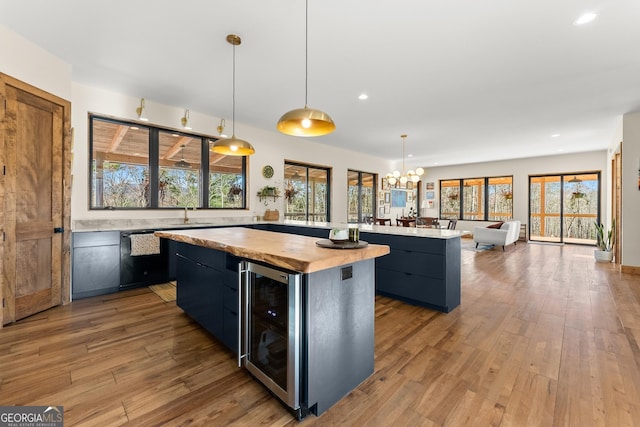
207,290
419,270
95,266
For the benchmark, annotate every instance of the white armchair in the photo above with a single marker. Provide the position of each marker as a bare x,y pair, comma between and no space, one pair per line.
505,235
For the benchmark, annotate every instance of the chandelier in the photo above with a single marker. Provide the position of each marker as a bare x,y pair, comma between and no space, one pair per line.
411,175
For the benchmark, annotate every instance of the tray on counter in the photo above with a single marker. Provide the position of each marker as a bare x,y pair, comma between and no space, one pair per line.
346,244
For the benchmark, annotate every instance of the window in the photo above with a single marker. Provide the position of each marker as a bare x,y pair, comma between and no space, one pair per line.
142,166
564,208
306,192
226,181
179,178
361,198
450,199
500,193
486,199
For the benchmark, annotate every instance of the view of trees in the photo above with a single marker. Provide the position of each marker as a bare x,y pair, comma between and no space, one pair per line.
361,199
564,208
127,186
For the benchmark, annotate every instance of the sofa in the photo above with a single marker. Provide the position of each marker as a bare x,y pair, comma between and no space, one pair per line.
508,233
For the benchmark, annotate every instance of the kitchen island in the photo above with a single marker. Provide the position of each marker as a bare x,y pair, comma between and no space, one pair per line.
300,317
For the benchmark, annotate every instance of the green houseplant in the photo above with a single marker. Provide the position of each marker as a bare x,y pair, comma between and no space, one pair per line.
605,241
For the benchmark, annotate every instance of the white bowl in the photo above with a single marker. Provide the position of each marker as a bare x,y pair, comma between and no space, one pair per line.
339,234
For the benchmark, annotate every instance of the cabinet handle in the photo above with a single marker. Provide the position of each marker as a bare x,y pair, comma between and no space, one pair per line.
243,291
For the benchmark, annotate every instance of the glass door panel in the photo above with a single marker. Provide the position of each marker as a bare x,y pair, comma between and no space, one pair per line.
580,208
564,208
545,201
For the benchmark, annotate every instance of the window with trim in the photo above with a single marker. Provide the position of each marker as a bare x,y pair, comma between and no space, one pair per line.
486,199
361,196
147,167
306,192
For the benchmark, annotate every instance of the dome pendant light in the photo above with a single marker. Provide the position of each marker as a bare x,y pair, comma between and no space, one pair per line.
306,121
233,146
182,163
413,176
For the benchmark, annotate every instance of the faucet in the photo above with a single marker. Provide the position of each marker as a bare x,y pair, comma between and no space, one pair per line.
186,216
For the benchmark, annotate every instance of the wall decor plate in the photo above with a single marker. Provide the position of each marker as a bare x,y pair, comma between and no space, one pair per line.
267,171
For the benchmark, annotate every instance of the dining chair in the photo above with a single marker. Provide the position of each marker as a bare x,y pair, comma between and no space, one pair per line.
452,224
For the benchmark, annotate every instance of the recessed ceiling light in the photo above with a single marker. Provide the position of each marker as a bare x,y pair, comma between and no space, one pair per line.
363,96
409,155
585,19
555,135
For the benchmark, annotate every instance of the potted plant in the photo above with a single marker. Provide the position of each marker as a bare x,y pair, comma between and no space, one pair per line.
290,192
267,192
605,241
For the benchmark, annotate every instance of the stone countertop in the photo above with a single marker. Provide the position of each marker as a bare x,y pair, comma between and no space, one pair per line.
290,251
196,223
383,229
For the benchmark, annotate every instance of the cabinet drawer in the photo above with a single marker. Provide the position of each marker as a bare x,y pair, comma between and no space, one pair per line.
95,238
408,243
419,288
230,298
429,265
230,333
205,256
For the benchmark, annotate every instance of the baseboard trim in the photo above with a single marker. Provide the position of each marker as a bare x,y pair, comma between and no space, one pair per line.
630,269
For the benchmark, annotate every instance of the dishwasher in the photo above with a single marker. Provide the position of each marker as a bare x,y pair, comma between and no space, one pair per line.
144,259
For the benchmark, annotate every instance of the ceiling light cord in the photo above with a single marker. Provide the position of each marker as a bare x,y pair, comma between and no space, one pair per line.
233,95
306,53
306,121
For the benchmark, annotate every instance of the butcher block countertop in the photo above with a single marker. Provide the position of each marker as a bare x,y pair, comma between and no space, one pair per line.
290,251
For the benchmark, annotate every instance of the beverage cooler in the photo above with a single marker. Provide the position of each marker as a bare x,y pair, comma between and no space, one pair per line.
269,340
307,337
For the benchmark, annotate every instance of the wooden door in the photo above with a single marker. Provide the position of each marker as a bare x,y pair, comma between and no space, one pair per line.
35,249
616,211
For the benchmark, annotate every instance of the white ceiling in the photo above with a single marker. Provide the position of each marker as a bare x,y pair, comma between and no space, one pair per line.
467,80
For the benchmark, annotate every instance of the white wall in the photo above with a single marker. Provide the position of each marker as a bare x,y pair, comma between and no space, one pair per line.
272,148
25,61
520,169
631,190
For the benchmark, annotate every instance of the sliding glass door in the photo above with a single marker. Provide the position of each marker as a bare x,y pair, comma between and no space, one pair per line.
563,208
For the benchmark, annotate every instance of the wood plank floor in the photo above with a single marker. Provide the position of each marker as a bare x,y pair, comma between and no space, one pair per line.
544,337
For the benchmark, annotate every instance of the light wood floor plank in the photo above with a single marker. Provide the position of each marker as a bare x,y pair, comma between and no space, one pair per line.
544,337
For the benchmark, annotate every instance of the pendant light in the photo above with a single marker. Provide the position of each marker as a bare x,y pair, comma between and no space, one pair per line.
233,146
306,121
413,176
182,163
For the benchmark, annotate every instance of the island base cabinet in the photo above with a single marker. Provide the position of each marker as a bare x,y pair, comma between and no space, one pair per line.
339,314
199,294
335,322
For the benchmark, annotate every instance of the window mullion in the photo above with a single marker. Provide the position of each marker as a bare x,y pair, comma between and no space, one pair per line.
154,167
